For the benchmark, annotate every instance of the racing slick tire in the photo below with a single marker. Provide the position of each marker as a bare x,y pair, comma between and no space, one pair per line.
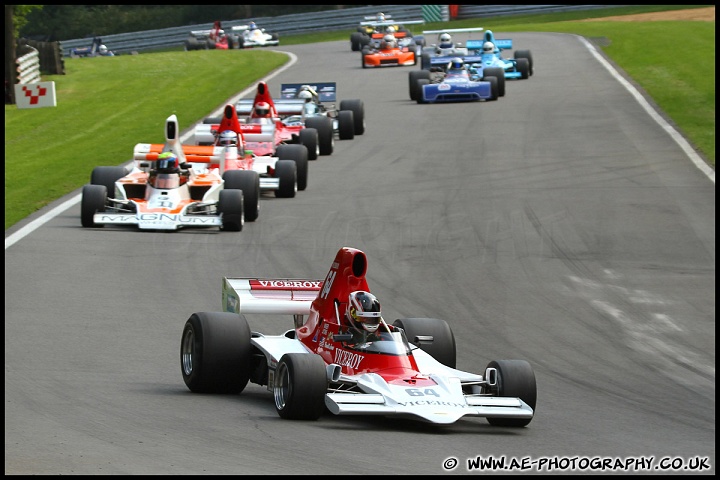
413,78
230,204
297,153
286,172
442,348
241,42
215,352
356,41
420,84
299,386
494,94
107,176
326,135
500,75
525,54
515,379
346,125
249,182
309,138
358,108
425,61
94,199
523,66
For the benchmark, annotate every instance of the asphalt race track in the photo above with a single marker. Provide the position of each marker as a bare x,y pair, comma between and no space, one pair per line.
561,225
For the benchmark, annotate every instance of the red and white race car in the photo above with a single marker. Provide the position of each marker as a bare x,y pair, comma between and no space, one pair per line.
284,171
264,134
406,369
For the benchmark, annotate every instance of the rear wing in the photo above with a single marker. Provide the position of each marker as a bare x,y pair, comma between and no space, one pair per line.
454,30
285,296
501,43
283,108
327,91
393,23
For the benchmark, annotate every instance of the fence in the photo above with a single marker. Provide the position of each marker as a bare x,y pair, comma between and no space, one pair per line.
329,20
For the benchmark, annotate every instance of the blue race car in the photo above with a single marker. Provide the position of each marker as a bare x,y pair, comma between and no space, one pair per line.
489,49
456,83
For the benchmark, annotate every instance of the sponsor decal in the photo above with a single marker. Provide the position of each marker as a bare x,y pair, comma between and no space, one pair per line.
348,359
284,284
328,284
443,86
432,403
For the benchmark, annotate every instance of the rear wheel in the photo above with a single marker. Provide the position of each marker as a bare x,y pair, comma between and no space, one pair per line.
515,379
442,348
230,205
94,199
356,41
215,352
107,176
249,182
358,108
300,385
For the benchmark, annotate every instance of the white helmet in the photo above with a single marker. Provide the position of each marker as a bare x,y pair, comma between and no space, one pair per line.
227,138
306,95
102,49
488,47
389,39
445,38
364,309
381,17
390,29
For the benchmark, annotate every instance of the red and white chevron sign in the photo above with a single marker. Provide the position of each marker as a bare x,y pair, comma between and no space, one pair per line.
35,95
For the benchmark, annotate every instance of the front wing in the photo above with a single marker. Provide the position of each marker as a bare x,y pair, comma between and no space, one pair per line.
456,92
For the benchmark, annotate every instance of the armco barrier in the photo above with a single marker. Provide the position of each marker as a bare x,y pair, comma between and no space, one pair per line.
28,67
330,20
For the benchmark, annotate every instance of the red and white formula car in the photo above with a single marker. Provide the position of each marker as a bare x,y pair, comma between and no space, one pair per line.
407,369
263,135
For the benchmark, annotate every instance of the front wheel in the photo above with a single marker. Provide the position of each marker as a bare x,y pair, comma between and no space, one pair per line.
286,173
94,199
249,182
357,106
299,154
300,385
515,379
231,206
309,138
326,136
498,73
346,125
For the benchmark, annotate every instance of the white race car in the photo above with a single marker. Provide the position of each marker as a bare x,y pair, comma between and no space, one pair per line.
406,369
248,36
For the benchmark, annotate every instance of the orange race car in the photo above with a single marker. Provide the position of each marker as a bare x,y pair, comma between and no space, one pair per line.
390,50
